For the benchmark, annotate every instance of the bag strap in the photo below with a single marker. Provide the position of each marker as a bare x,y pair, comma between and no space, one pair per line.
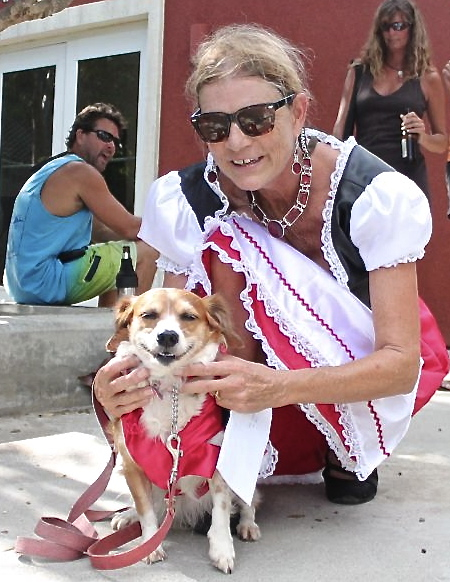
351,113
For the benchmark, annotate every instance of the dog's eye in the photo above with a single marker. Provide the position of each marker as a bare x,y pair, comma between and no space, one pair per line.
186,316
149,315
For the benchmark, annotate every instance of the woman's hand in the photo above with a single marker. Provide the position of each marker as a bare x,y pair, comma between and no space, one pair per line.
413,124
120,386
236,384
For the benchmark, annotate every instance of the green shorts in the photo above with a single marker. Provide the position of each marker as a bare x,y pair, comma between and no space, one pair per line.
95,272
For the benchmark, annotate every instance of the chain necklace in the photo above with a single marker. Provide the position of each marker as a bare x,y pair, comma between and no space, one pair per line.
275,227
399,72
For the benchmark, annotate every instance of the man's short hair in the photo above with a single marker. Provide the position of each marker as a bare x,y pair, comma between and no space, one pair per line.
87,118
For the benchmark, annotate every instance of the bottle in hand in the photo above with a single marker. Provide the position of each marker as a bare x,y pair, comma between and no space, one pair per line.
126,280
408,144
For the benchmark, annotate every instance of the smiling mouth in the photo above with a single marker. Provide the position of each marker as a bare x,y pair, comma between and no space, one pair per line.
246,162
165,358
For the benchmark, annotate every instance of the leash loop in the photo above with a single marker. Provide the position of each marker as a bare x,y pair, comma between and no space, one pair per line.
173,445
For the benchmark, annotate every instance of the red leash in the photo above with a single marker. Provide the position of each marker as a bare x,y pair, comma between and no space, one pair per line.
75,537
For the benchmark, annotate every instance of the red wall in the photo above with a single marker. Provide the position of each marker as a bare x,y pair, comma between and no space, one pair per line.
334,31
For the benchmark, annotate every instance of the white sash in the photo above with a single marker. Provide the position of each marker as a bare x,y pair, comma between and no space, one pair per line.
325,323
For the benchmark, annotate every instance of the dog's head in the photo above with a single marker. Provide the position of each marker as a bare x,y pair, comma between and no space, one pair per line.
169,328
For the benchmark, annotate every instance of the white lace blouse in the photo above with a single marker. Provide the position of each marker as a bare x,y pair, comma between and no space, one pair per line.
390,221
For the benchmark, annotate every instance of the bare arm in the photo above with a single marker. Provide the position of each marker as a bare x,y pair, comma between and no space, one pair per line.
437,140
391,369
338,129
446,77
101,233
77,185
95,194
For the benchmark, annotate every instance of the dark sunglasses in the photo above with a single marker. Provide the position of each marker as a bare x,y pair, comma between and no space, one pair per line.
254,120
397,26
106,137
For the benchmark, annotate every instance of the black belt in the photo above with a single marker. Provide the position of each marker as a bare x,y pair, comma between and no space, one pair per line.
68,256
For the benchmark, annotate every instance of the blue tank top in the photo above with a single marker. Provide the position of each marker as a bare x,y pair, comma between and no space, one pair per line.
33,273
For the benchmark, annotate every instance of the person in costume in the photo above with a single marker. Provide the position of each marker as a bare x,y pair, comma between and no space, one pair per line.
312,242
396,87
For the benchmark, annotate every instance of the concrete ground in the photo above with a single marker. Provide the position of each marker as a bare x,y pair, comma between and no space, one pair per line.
402,536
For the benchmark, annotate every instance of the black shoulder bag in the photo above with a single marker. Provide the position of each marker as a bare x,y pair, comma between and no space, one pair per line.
351,113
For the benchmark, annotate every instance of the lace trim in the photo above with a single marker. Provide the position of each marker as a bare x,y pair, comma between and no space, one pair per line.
301,345
336,444
299,342
328,249
269,462
169,266
409,259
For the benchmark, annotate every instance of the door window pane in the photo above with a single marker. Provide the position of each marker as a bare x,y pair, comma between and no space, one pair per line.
26,135
115,79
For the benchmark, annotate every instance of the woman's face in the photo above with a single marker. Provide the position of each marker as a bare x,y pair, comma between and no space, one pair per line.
395,39
254,163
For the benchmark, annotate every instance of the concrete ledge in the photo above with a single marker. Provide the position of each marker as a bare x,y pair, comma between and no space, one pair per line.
43,350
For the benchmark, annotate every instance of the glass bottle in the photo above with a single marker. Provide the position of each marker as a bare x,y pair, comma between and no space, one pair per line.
126,280
408,144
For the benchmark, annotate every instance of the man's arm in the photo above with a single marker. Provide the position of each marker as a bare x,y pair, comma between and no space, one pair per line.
77,185
101,233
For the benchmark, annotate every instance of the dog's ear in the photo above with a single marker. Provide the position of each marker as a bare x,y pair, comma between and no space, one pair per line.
120,335
123,313
219,318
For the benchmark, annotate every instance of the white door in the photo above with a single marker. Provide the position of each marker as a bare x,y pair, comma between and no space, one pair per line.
41,91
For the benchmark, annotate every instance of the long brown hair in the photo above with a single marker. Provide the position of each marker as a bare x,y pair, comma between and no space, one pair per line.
418,54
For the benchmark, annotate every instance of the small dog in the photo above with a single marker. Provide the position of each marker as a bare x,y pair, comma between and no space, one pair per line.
167,329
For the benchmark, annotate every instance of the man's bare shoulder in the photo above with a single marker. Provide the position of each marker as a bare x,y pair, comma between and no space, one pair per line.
64,191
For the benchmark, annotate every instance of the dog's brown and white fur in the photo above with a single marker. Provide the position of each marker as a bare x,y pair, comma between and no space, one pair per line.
167,329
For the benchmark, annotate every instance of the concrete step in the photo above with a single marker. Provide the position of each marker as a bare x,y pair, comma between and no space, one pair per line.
43,351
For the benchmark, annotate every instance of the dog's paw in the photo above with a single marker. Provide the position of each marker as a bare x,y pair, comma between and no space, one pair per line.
124,518
222,555
157,556
248,531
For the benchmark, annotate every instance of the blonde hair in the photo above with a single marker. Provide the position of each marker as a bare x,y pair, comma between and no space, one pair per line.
418,57
248,50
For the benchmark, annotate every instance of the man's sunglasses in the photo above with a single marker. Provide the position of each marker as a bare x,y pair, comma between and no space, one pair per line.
397,26
106,137
254,120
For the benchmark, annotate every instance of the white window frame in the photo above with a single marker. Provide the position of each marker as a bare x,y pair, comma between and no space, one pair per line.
89,31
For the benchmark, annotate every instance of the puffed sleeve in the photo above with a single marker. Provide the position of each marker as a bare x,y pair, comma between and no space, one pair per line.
390,221
169,224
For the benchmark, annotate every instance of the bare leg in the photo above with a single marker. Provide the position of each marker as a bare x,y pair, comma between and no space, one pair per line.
172,280
108,298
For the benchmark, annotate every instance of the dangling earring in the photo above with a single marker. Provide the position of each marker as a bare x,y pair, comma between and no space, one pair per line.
212,173
296,167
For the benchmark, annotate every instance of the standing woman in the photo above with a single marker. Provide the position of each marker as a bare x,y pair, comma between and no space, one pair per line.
398,86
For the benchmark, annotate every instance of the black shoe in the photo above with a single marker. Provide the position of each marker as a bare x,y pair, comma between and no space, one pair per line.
348,491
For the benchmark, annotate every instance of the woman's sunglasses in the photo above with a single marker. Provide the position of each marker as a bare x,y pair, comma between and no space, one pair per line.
106,137
254,120
397,26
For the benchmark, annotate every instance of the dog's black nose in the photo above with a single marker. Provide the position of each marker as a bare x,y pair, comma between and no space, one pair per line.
167,339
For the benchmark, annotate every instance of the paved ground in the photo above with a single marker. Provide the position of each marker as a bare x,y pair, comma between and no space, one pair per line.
402,536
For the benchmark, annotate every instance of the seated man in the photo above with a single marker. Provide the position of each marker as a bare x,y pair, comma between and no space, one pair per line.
63,208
